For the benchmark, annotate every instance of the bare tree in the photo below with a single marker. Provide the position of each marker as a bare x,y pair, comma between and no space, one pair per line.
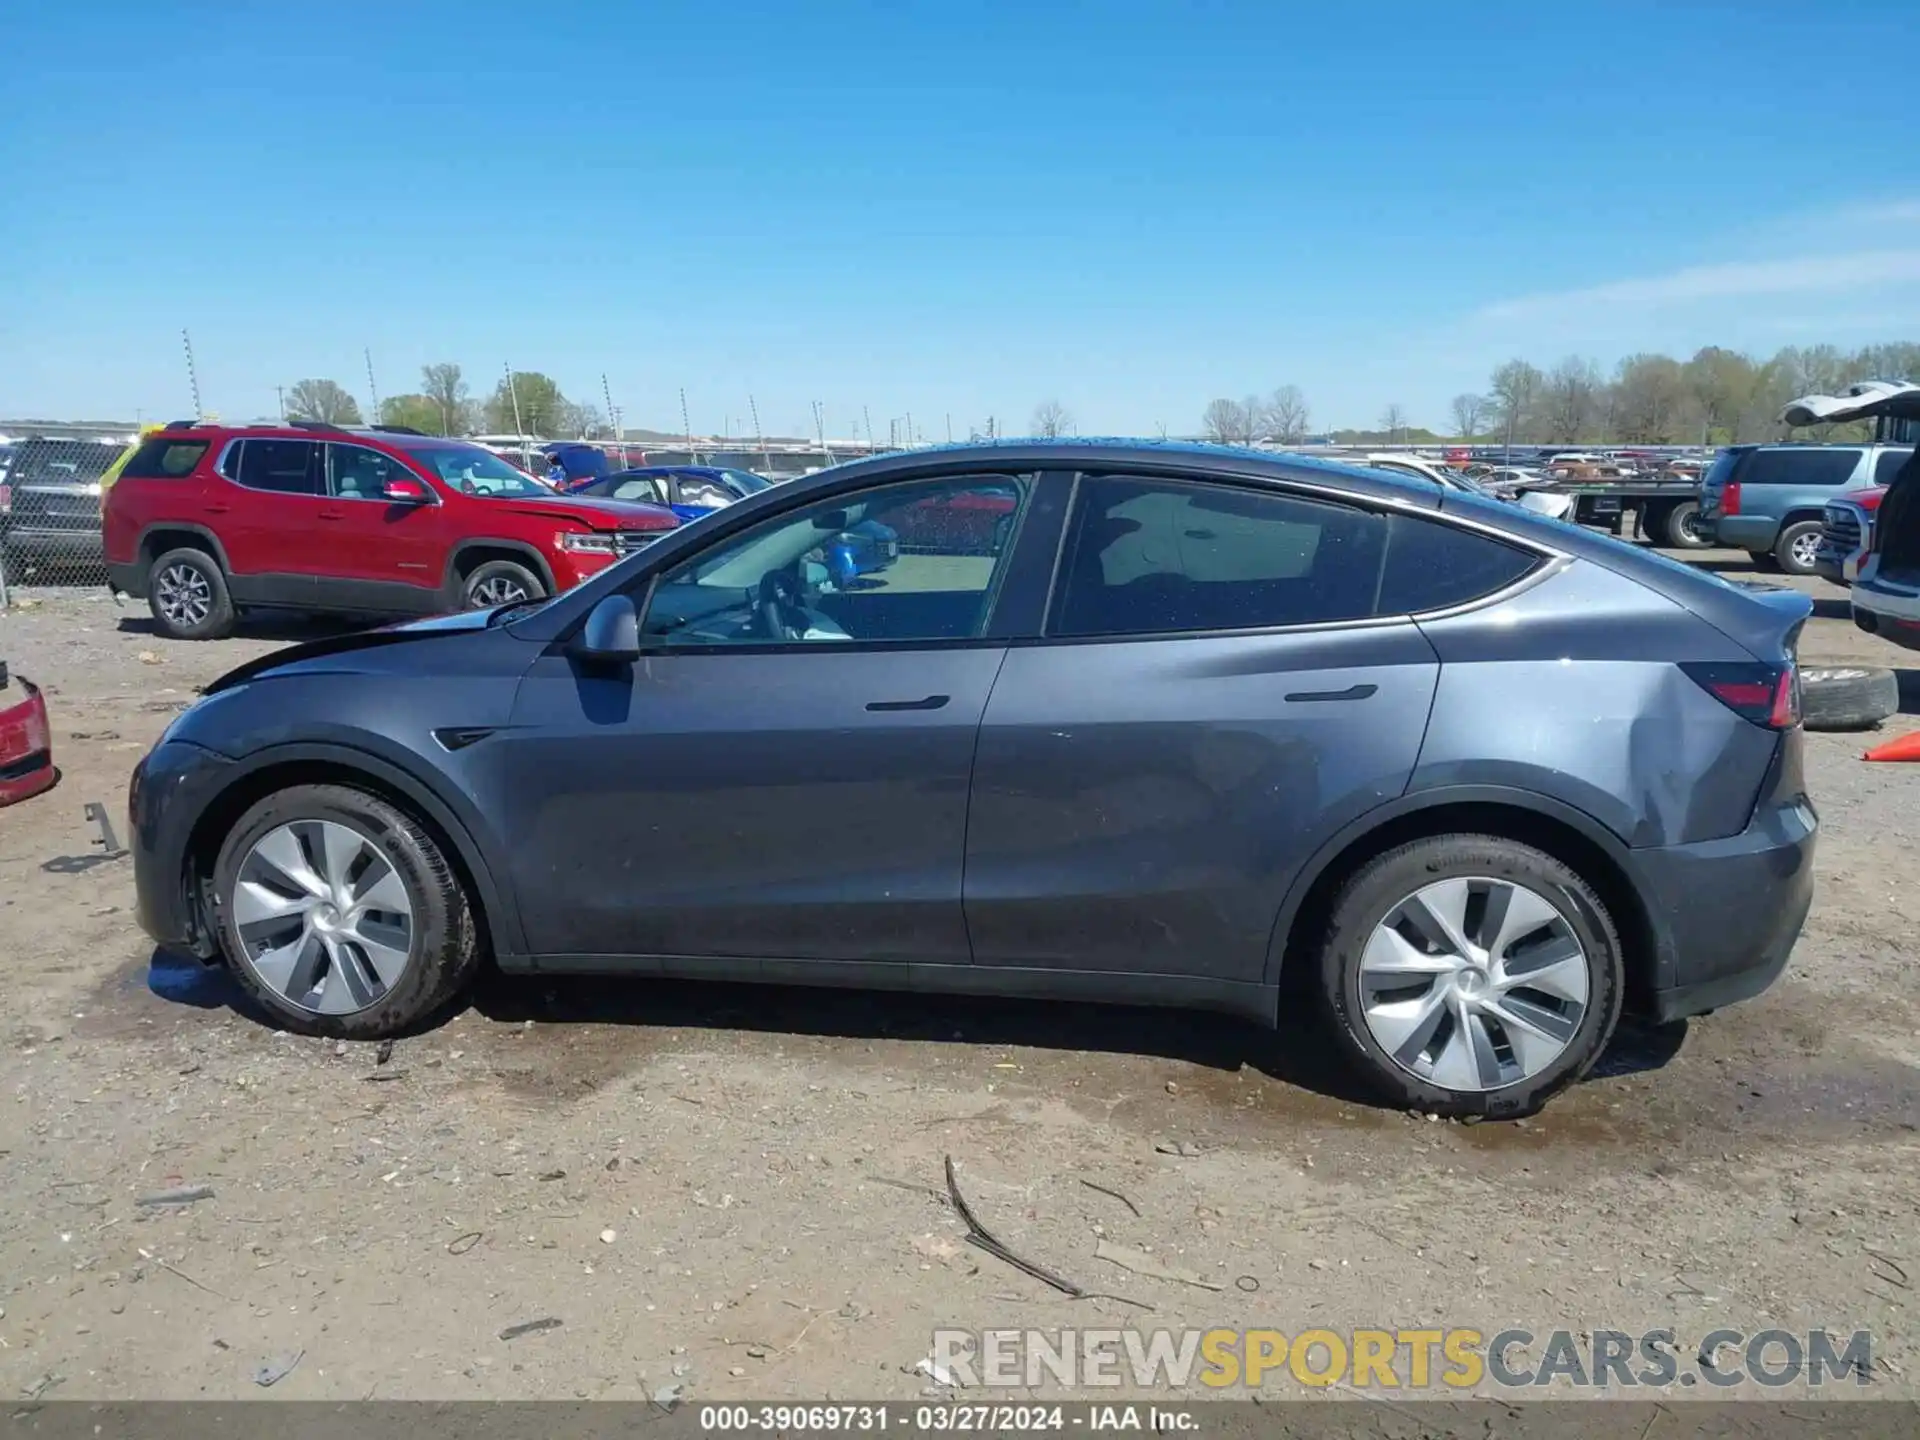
1051,419
1468,412
1572,390
1287,415
1227,422
1515,387
327,401
1393,420
443,384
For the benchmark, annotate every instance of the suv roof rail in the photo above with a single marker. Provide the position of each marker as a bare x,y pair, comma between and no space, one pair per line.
326,425
181,425
398,430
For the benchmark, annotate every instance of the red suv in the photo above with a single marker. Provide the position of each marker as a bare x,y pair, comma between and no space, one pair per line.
206,520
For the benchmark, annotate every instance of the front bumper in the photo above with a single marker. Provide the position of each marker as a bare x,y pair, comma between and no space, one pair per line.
170,791
1746,532
1727,913
54,546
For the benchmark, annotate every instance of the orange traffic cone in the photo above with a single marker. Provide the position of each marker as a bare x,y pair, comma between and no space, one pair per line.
1907,747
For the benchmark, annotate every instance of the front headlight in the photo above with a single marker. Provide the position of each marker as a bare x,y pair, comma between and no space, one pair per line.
589,541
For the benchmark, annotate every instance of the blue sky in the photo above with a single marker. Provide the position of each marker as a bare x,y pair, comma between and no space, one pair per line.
943,209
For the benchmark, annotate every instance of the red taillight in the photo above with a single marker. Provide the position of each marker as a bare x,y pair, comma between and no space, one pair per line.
1767,695
1730,498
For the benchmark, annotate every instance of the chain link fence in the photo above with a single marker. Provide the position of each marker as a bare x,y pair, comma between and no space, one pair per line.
50,515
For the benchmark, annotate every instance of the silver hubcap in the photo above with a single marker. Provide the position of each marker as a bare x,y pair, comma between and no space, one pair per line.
184,595
324,917
500,590
1804,549
1473,984
1693,526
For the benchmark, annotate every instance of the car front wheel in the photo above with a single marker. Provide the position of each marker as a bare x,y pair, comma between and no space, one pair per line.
501,582
341,916
1469,975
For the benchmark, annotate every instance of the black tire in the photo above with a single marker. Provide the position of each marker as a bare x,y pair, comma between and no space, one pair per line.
1793,538
1847,697
445,950
217,620
503,574
1374,891
1683,528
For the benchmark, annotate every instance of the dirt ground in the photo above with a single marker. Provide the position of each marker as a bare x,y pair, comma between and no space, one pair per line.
734,1189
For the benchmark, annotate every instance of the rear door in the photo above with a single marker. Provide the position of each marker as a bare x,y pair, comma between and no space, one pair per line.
1214,695
267,518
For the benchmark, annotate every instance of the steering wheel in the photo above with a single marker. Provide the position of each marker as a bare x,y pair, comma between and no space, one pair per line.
781,614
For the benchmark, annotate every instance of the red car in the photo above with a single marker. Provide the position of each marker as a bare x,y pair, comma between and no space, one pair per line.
26,740
207,520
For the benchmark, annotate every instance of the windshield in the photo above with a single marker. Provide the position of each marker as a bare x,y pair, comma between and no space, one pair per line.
473,471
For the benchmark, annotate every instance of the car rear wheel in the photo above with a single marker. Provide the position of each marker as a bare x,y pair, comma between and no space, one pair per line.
1798,547
1685,529
187,593
1469,975
341,915
501,582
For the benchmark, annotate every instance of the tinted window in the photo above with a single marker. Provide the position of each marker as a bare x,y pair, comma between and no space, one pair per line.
1888,465
164,459
911,562
1811,466
357,473
1431,566
287,466
1150,556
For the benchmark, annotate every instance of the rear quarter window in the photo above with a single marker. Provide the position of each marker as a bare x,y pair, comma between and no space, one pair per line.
164,459
1799,467
1434,566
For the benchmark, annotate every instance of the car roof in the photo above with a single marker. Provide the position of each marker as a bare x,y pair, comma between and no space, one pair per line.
1226,461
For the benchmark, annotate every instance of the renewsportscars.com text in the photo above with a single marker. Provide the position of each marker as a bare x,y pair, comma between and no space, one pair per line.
1450,1359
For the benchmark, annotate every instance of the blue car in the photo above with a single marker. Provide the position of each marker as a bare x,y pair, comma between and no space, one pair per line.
691,491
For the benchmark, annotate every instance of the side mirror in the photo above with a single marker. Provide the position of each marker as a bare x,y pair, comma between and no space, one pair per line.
405,492
612,632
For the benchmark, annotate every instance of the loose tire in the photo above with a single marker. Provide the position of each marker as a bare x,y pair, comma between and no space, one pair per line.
187,593
1795,549
341,916
1684,528
1856,697
500,582
1468,975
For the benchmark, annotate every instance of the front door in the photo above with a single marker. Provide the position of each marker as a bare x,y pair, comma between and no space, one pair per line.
375,555
784,774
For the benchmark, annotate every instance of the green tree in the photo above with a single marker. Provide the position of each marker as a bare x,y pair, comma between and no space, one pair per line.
446,387
1515,391
327,401
535,398
414,412
1720,383
1652,408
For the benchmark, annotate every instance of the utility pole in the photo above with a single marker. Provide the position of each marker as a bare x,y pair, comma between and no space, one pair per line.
910,428
606,393
868,414
686,424
766,457
519,431
280,394
193,378
372,389
949,427
820,430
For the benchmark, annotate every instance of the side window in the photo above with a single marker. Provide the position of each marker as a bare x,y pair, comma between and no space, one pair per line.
164,459
289,467
696,491
905,563
646,487
1150,557
357,473
1889,464
1431,566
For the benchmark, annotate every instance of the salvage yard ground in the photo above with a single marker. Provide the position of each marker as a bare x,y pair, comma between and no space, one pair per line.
734,1190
